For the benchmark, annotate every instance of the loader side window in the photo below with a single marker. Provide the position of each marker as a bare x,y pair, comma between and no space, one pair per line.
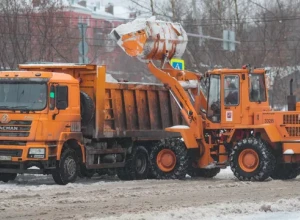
231,90
214,105
257,88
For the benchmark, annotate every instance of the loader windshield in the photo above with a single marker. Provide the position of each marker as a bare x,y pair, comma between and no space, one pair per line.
23,96
257,87
214,105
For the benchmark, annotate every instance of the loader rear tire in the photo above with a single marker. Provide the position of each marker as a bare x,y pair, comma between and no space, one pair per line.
252,160
136,166
285,172
87,108
206,173
169,159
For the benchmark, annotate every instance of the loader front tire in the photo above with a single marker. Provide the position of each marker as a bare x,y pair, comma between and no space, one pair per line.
285,172
252,160
169,159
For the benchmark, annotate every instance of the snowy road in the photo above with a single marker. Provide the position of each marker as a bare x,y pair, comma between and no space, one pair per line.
223,197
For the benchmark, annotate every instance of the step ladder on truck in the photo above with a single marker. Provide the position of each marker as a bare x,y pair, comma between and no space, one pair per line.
233,125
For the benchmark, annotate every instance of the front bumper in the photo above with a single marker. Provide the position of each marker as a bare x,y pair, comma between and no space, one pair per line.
21,153
16,159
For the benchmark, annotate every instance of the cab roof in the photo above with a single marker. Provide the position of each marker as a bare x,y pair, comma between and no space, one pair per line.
49,76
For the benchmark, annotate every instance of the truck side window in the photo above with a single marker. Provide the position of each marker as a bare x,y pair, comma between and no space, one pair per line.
257,88
62,97
231,90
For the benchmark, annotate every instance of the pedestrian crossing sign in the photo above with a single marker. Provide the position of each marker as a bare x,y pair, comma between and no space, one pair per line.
177,64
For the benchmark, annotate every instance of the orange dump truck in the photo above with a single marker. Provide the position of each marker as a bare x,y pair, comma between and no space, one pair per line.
67,120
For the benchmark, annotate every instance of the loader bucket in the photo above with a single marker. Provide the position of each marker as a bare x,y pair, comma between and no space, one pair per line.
150,39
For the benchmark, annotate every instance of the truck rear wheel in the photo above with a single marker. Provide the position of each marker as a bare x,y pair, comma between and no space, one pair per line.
285,172
252,160
84,172
5,177
169,160
87,108
137,165
66,168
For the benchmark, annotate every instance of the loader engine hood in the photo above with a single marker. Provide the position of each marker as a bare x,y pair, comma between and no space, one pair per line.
151,39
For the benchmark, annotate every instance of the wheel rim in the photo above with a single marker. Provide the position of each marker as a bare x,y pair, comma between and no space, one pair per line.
70,166
248,160
141,163
166,160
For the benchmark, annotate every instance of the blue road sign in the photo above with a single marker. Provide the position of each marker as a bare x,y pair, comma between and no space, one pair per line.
177,64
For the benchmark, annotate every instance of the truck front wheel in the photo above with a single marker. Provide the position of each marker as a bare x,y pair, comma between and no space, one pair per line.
66,168
5,177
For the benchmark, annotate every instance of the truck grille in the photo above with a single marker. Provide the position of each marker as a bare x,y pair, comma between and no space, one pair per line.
15,129
291,119
13,153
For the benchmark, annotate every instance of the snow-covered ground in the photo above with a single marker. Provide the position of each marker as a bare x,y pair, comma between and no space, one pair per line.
223,197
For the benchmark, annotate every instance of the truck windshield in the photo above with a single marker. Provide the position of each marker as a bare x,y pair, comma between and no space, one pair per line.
23,96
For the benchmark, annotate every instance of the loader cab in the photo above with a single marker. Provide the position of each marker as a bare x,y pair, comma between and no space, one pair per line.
233,95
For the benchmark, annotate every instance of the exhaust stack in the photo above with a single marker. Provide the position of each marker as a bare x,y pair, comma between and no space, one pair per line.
291,98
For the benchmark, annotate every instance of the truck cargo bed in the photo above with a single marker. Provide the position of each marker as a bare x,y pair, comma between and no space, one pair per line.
122,110
137,110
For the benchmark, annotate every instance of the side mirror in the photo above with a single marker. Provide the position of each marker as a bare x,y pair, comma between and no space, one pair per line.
61,97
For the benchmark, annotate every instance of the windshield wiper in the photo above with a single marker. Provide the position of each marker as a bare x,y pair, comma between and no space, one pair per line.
20,106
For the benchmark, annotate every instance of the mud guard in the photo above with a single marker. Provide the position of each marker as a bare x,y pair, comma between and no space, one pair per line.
66,136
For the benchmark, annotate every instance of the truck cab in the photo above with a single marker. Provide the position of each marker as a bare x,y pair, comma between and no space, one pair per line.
37,113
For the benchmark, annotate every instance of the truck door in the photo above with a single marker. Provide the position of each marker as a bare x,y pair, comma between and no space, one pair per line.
231,108
58,117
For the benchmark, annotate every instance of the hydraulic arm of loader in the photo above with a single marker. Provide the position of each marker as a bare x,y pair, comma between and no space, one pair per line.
151,41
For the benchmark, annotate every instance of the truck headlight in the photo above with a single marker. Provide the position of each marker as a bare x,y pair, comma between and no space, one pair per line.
36,153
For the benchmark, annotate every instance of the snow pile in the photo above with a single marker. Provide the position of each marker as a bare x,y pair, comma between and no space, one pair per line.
110,78
221,211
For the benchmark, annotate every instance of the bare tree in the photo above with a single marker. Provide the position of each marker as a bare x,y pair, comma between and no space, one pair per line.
31,32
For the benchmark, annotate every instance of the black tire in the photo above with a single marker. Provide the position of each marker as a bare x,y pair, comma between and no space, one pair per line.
206,173
265,164
285,172
87,108
63,174
137,165
108,172
83,172
5,177
180,169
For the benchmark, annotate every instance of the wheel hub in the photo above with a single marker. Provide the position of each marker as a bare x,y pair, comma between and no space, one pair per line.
141,163
166,160
248,160
70,166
